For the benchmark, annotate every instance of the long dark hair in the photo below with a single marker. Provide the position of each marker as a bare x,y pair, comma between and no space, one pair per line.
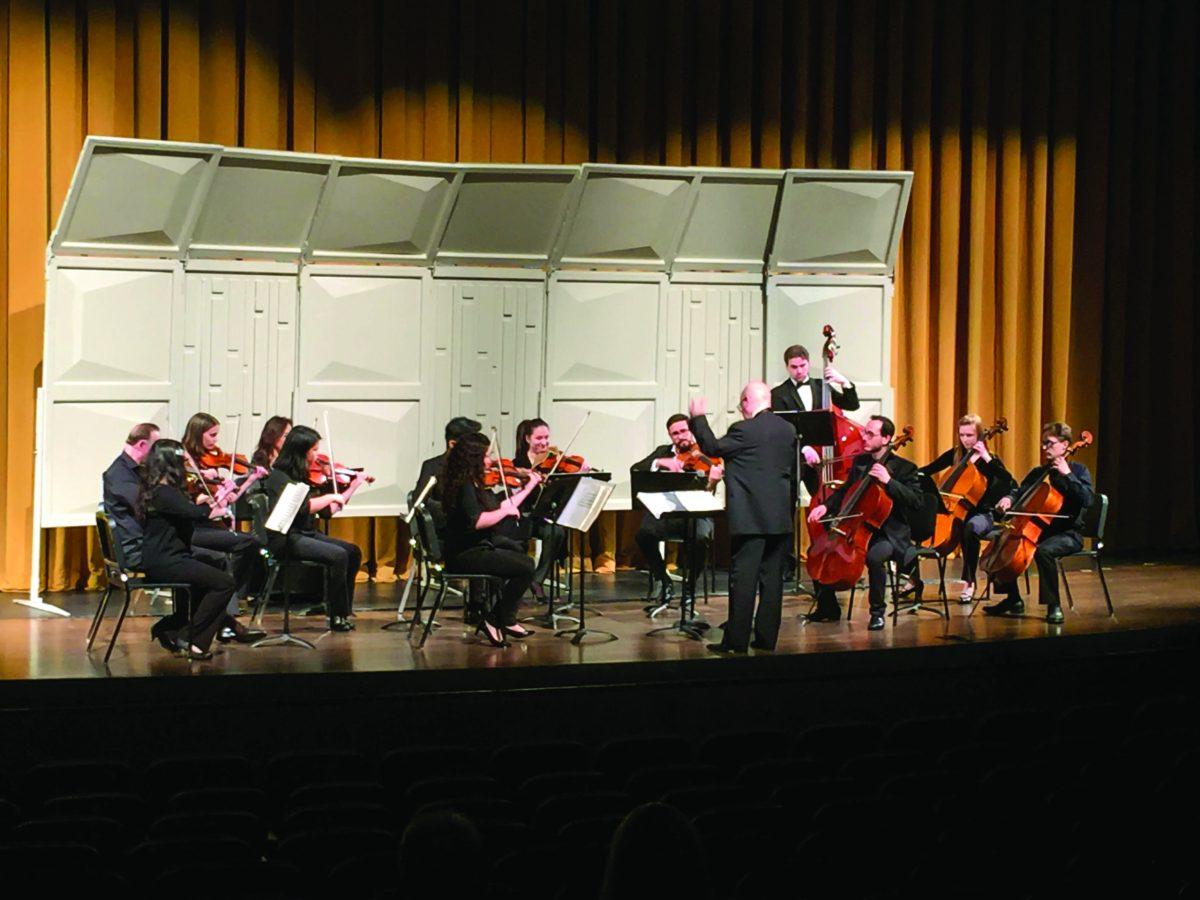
272,429
524,429
464,465
193,434
162,465
292,460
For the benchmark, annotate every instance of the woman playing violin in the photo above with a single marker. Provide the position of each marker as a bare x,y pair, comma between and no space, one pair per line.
270,442
474,542
534,452
971,443
1063,535
302,540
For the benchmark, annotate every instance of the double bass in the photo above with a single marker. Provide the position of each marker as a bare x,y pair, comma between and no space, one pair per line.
961,491
838,553
837,458
1011,553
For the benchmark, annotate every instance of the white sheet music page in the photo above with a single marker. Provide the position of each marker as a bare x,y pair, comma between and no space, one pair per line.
284,513
586,503
659,503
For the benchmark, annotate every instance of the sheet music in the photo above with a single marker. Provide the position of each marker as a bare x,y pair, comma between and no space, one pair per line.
680,501
586,503
290,501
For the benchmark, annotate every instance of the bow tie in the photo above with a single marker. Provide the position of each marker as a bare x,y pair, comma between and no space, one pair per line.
801,384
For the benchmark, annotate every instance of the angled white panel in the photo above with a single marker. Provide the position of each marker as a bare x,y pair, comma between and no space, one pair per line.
507,215
840,221
377,210
617,434
626,217
365,358
730,225
259,205
860,311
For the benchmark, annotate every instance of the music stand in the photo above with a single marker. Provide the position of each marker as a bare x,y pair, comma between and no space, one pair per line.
581,631
554,493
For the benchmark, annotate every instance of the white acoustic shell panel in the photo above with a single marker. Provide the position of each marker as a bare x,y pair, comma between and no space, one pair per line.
860,311
731,221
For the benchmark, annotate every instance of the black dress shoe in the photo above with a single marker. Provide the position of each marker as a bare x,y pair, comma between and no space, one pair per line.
723,649
1013,606
1054,615
758,645
824,615
517,631
318,610
486,633
340,623
227,634
170,644
876,623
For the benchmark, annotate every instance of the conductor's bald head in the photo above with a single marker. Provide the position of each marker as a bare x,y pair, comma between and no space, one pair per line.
756,396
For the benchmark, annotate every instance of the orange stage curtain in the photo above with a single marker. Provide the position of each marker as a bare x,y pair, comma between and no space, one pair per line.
1047,264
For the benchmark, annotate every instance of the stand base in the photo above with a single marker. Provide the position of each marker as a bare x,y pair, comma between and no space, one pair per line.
550,619
578,635
280,640
42,606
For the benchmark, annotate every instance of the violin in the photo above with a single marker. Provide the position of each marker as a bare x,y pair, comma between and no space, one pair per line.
320,467
1041,503
838,553
961,491
513,477
235,463
695,461
556,463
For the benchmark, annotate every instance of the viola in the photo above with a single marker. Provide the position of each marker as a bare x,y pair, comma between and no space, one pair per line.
961,491
838,553
1041,503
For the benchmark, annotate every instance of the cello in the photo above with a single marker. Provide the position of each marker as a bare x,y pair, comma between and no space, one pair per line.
838,552
961,491
1041,503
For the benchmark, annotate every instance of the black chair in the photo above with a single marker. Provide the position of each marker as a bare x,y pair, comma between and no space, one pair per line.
260,510
430,548
1094,520
120,576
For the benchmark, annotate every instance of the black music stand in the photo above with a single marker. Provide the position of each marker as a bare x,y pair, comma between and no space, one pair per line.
580,631
555,491
814,428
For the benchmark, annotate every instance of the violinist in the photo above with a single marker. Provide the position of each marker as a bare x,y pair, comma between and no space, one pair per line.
169,517
673,457
1062,536
302,540
533,452
893,540
435,467
999,482
270,441
474,544
758,454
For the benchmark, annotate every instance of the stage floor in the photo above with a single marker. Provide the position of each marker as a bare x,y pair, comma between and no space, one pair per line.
37,646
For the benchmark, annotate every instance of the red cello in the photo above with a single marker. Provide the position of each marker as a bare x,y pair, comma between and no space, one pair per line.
838,553
1010,555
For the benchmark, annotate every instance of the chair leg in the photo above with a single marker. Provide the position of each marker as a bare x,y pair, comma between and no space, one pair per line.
850,606
112,641
1103,584
1027,588
261,606
1062,574
941,563
437,604
98,617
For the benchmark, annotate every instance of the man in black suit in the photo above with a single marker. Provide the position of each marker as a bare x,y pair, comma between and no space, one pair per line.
665,458
120,483
758,454
900,478
1061,536
456,428
800,391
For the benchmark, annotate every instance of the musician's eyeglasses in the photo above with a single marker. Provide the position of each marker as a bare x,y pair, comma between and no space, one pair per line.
1050,442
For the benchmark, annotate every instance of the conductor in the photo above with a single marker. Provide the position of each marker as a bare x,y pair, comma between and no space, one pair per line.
758,454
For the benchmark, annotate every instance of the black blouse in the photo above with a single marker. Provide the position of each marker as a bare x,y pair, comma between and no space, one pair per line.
273,486
170,520
461,533
1000,481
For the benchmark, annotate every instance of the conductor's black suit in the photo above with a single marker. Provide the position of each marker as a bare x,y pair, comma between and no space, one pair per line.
758,455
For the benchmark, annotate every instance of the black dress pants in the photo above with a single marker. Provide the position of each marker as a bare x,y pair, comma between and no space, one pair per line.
653,530
879,552
1049,550
514,567
210,590
342,558
213,543
755,570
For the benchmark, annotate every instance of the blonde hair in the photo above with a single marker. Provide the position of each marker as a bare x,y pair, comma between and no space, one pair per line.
977,423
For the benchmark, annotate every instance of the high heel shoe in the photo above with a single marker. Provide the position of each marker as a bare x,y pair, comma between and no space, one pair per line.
491,634
517,631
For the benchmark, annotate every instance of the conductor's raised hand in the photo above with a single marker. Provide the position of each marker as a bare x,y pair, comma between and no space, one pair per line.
697,406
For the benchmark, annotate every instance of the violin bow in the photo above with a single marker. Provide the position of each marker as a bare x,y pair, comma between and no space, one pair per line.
187,458
237,430
563,453
495,442
332,458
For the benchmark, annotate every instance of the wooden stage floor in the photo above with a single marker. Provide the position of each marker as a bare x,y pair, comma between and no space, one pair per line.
36,646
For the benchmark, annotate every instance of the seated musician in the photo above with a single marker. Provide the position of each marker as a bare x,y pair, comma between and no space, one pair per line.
302,540
1061,536
274,433
800,391
213,541
435,467
671,458
999,483
893,541
121,485
474,541
533,450
168,518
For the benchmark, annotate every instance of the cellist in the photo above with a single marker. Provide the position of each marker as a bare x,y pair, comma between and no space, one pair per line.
893,540
1063,535
999,483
